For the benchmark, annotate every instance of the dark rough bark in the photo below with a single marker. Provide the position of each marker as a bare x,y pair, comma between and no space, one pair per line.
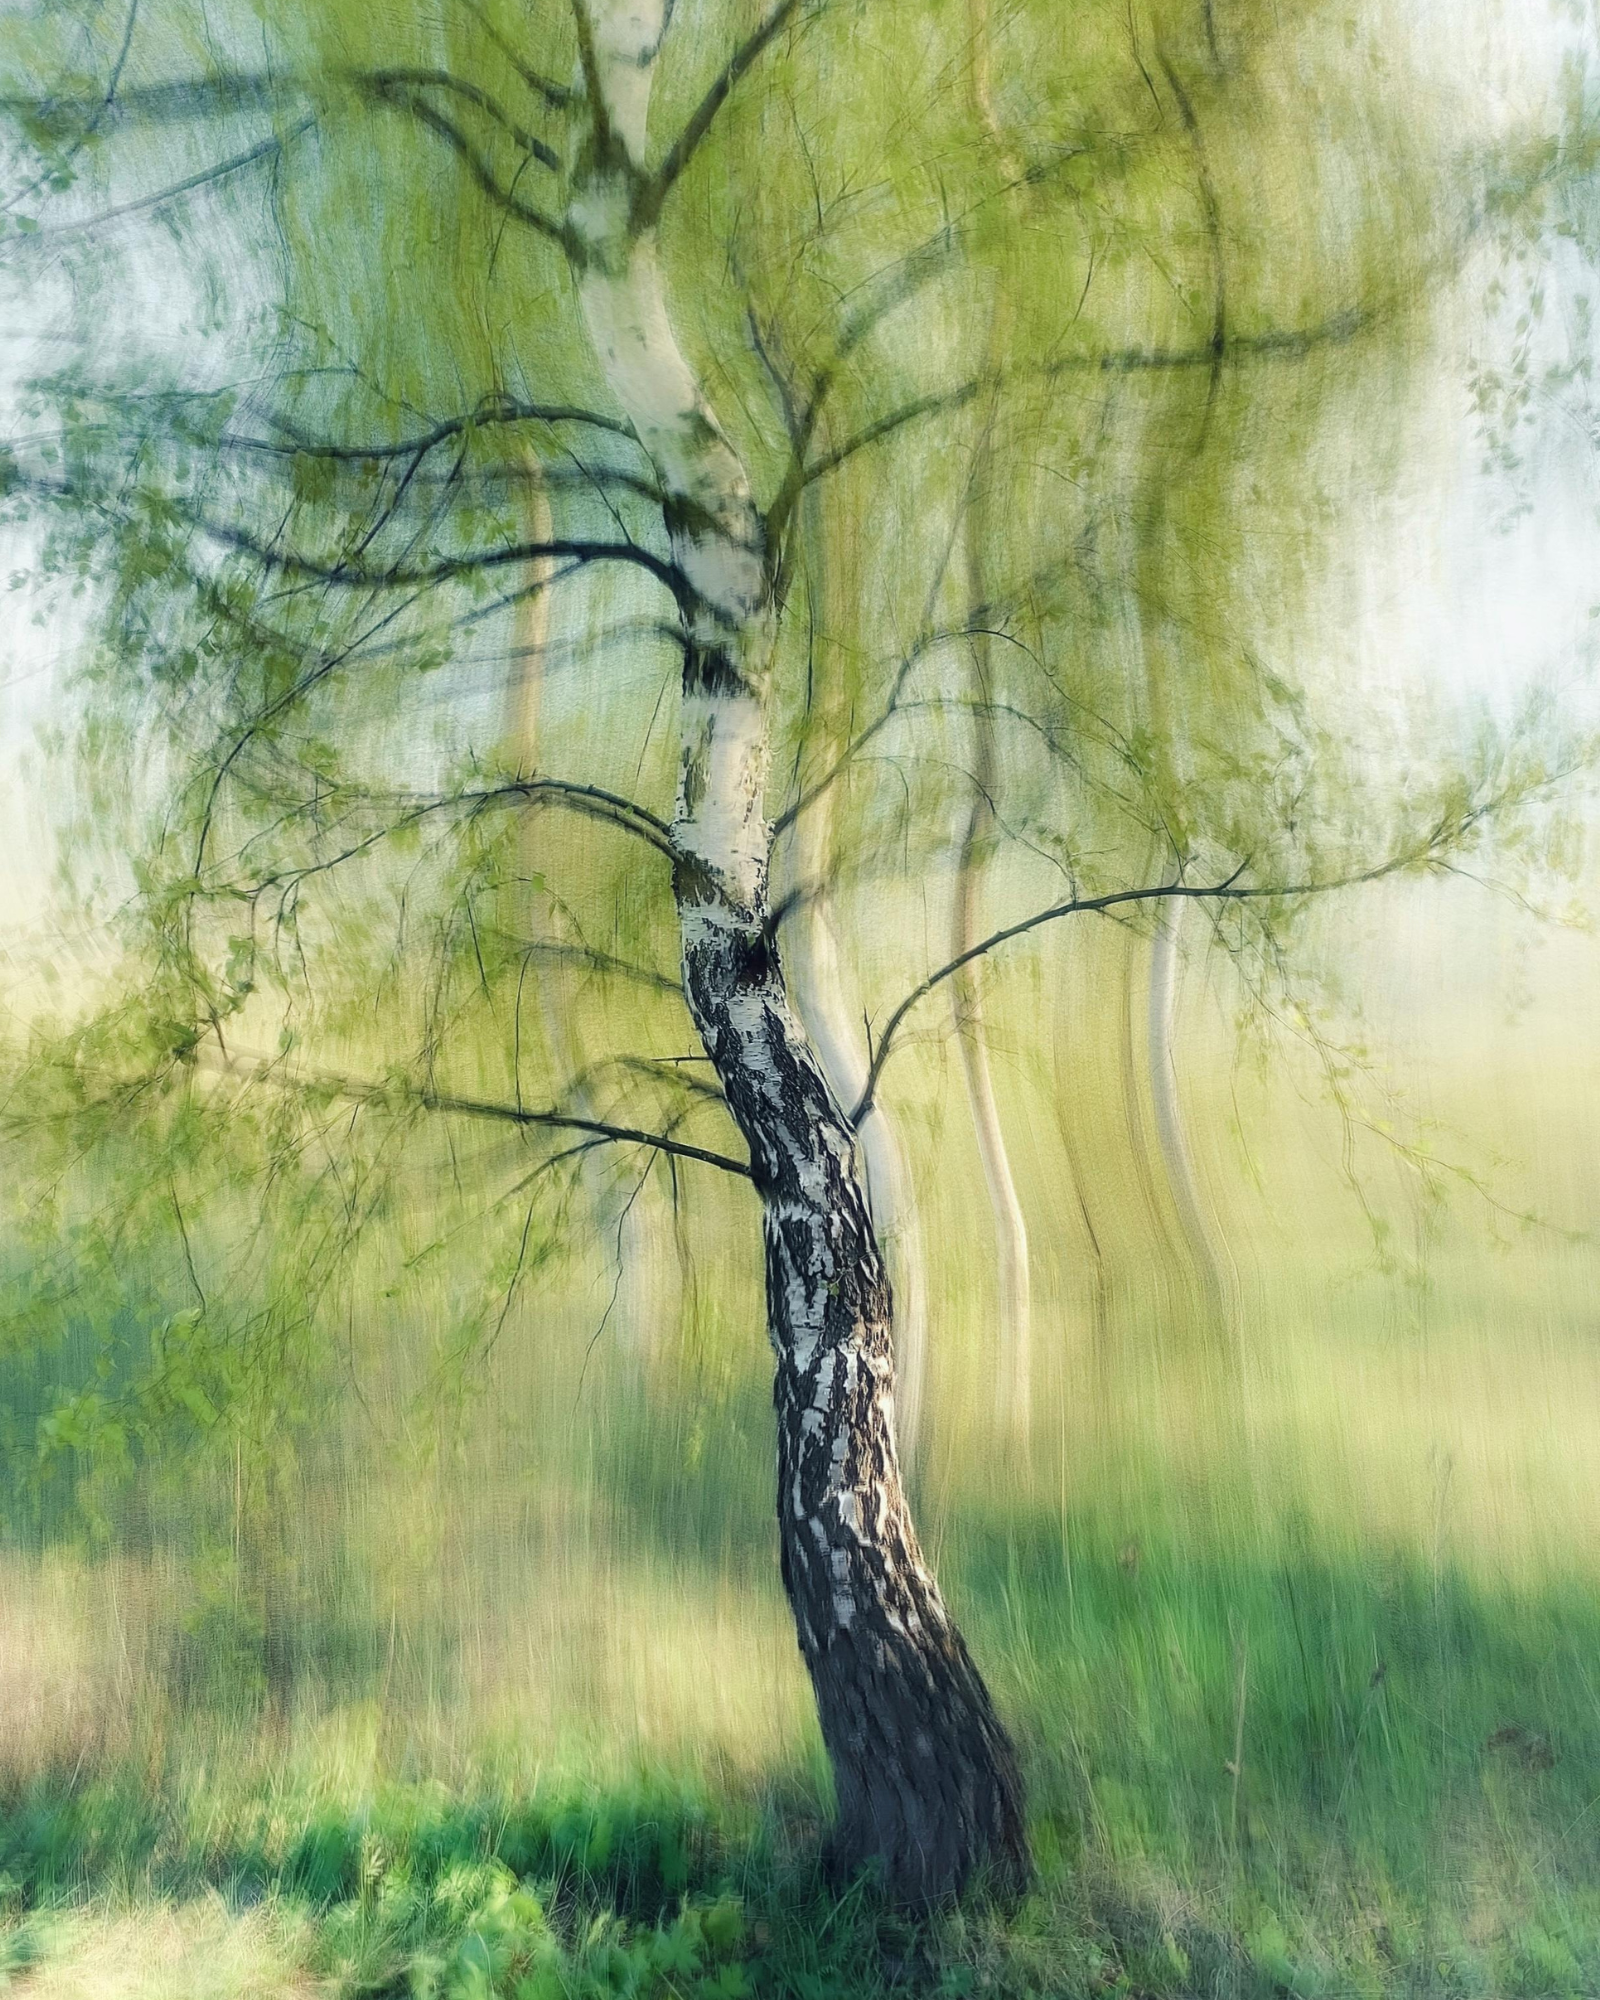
927,1779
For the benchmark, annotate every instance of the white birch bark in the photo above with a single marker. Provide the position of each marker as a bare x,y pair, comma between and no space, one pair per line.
817,980
1171,1135
926,1777
1014,1288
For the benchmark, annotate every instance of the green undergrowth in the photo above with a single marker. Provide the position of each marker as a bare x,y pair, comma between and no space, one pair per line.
1256,1770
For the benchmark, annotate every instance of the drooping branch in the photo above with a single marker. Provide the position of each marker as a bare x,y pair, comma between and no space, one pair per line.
1275,344
477,163
347,574
590,800
498,410
883,293
447,569
234,93
556,95
399,87
267,149
562,1121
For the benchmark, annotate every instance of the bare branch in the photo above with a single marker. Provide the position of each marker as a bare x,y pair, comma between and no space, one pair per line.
593,89
207,177
700,120
1074,907
588,800
1423,854
1276,344
554,94
476,164
495,410
383,85
445,570
591,800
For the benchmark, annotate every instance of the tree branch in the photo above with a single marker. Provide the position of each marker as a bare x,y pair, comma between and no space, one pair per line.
477,165
447,569
593,89
496,410
384,83
591,800
208,176
1075,906
678,155
588,800
1423,854
356,1090
1276,344
554,94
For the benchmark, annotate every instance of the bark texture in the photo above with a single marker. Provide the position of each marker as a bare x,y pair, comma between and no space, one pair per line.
926,1777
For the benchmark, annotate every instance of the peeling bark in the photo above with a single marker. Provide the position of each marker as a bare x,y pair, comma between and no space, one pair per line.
926,1777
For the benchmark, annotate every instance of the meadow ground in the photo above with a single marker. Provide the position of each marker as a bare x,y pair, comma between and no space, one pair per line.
1308,1692
1299,1636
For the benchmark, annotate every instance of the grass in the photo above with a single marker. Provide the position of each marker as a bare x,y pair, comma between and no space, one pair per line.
1301,1647
1260,1767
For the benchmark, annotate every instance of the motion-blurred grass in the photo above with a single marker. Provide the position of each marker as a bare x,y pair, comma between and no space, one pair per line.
1296,1621
1270,1749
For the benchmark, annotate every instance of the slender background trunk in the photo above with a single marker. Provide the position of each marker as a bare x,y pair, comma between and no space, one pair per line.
818,980
626,1220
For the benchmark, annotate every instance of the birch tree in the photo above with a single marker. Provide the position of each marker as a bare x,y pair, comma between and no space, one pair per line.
707,270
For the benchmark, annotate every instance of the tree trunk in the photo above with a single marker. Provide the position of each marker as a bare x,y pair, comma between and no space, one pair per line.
926,1777
1014,1376
1170,1133
1013,1268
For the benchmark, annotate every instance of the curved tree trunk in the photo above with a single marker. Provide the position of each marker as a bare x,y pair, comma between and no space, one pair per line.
926,1778
818,985
1170,1133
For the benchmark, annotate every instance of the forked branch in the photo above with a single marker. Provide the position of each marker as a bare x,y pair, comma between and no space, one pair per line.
702,118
